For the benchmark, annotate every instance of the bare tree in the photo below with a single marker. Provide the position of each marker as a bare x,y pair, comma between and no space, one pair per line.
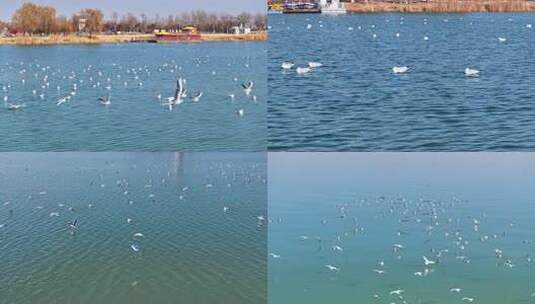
32,19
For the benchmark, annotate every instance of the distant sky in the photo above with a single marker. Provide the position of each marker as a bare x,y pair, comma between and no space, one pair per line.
149,7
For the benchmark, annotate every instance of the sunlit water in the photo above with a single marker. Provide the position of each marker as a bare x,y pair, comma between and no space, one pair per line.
134,74
356,102
438,205
193,250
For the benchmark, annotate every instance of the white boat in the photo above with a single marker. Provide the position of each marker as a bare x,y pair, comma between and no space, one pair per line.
332,7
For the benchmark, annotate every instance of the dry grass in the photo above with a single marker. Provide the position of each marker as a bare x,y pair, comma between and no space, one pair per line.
101,39
259,36
445,6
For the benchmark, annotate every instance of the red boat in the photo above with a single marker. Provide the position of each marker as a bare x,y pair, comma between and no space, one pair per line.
186,34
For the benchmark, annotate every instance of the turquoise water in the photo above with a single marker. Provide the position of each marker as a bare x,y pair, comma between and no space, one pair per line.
191,251
136,120
355,102
429,203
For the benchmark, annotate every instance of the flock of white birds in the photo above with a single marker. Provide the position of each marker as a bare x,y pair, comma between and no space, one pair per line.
303,70
434,232
61,86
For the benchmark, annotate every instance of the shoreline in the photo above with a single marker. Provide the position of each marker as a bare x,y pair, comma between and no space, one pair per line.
116,39
443,7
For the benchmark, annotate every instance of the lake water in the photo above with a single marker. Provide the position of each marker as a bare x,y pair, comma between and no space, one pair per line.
356,102
135,74
455,209
192,249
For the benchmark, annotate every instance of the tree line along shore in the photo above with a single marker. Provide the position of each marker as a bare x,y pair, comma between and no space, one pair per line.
442,6
40,24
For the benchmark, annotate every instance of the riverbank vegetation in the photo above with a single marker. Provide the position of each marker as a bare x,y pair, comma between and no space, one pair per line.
441,6
54,39
32,19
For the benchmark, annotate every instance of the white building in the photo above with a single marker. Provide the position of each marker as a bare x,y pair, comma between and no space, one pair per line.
237,30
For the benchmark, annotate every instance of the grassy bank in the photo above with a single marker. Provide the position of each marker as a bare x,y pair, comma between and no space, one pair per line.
444,6
260,36
102,39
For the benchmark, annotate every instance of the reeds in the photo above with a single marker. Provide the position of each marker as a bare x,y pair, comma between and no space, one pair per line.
443,6
257,36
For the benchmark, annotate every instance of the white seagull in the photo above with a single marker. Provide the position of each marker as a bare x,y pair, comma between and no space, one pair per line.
248,87
332,268
105,100
400,69
471,72
287,65
428,262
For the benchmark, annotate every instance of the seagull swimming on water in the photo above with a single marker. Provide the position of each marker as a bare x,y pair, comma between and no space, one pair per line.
105,100
287,65
16,107
332,268
400,69
471,72
302,71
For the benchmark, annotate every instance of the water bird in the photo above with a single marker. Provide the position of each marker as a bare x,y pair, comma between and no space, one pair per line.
176,99
400,69
302,71
248,87
16,107
105,100
396,292
337,248
314,65
332,268
427,261
73,224
273,255
63,100
287,65
471,72
197,96
466,299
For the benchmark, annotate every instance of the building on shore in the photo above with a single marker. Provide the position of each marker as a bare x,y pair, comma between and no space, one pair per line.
241,29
